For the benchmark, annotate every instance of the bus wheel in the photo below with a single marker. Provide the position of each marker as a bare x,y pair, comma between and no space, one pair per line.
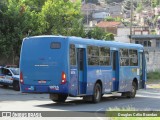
97,93
5,86
124,94
132,94
16,85
59,98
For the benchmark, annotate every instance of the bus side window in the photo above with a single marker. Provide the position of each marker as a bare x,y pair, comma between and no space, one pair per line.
124,57
72,55
133,55
104,56
93,55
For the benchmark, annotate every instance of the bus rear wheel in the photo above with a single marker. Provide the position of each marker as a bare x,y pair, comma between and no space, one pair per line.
97,94
5,86
59,98
132,93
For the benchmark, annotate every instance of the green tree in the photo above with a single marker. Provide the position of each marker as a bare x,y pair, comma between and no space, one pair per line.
59,16
98,33
139,7
108,36
109,18
35,5
17,19
117,19
155,3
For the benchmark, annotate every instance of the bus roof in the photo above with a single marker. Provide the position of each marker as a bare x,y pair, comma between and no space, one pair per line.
86,41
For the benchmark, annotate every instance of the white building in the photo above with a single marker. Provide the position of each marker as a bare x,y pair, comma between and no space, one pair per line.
122,35
100,15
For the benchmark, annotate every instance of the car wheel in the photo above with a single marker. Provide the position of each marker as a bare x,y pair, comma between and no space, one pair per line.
16,85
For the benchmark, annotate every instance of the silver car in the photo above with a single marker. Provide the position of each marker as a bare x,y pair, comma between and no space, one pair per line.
10,76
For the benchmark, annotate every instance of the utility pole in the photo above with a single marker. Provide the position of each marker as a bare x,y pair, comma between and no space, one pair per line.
87,15
131,17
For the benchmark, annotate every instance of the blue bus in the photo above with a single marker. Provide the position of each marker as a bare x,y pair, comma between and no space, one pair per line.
72,66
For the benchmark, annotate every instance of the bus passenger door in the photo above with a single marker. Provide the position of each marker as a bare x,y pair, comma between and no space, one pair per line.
142,71
115,71
81,63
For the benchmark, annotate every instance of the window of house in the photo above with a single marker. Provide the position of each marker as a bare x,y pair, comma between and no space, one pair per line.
158,44
137,42
149,43
145,43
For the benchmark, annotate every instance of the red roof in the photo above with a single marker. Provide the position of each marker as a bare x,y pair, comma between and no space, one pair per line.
104,24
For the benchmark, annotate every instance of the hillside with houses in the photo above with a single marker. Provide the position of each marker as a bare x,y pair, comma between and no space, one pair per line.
145,14
135,21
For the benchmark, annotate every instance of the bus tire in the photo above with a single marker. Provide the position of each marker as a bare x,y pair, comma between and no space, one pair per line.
132,93
59,98
124,94
5,86
97,93
16,85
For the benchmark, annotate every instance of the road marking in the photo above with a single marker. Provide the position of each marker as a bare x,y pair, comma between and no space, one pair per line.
148,96
146,92
99,118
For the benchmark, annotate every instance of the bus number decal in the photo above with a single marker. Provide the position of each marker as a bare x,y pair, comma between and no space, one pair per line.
54,87
73,72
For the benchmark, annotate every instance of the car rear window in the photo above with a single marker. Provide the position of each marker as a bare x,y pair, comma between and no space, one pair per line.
15,71
0,70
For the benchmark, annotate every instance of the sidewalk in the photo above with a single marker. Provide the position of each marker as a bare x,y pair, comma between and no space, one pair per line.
153,85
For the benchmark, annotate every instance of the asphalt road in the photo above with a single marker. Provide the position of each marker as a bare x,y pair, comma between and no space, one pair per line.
11,100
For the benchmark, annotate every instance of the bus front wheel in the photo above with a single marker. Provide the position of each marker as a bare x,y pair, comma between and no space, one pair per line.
59,98
97,94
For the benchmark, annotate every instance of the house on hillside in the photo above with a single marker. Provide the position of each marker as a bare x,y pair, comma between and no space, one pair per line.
109,26
100,15
114,9
157,10
93,12
123,33
151,45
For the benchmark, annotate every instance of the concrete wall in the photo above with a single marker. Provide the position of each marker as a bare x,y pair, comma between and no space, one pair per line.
153,61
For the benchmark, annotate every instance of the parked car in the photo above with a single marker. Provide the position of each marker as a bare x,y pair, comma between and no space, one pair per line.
10,76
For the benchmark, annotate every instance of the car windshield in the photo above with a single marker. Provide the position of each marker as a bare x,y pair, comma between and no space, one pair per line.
15,71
